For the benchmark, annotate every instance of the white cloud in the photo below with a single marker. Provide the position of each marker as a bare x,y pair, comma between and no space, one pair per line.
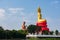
15,10
55,2
2,11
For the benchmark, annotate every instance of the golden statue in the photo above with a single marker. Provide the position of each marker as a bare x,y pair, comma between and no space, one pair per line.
40,15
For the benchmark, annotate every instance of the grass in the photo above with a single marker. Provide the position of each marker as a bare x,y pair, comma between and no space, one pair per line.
43,38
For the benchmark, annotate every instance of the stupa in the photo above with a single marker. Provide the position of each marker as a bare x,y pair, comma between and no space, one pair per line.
41,22
23,26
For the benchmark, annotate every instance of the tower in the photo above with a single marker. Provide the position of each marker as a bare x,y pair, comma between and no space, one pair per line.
23,26
41,22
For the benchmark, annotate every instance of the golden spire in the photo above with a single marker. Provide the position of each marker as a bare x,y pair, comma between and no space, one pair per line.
39,14
39,10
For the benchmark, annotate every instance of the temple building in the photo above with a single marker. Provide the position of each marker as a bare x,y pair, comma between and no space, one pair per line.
41,22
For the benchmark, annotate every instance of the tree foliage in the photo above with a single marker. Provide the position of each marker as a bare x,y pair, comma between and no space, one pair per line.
56,32
51,32
45,32
9,34
31,28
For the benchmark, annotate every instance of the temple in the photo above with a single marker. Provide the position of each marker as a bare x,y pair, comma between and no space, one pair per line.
41,22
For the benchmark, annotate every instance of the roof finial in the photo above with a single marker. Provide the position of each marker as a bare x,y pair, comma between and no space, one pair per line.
39,10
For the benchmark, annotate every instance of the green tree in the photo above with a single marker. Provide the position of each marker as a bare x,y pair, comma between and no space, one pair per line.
56,32
51,32
1,28
13,33
31,28
45,32
1,32
22,33
8,34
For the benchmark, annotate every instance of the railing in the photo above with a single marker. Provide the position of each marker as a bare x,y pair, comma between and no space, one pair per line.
42,35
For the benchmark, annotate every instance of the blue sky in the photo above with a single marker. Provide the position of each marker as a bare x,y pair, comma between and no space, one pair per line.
14,12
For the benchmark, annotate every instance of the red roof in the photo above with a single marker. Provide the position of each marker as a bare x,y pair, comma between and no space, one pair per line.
45,28
43,25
